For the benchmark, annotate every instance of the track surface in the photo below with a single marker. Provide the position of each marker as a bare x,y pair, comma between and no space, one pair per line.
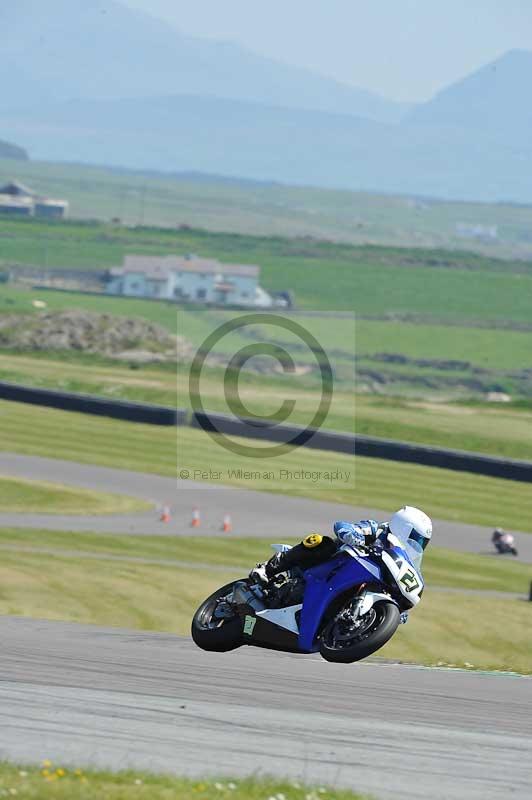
111,698
85,695
253,513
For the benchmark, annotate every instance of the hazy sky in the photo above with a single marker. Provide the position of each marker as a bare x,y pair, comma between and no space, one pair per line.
404,49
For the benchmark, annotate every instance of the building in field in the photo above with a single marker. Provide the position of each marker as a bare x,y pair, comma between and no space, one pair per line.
19,200
17,189
189,279
487,233
16,206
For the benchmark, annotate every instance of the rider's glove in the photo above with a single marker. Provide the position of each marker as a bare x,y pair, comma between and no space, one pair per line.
349,533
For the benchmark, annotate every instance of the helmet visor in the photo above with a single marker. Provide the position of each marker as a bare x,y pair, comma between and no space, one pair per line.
422,541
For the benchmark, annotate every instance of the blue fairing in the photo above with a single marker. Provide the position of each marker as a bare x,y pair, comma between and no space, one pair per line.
324,583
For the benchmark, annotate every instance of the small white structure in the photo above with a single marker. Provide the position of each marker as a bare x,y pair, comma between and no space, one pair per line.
16,199
486,232
188,278
16,206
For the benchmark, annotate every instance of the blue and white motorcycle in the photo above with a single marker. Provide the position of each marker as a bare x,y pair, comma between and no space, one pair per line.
345,609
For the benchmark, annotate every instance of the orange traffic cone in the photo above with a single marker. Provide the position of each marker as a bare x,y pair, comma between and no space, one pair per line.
165,515
227,526
196,519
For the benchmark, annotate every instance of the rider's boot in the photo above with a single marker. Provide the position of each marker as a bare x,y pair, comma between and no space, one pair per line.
266,570
313,550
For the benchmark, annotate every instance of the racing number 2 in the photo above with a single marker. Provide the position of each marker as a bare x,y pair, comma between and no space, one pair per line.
409,581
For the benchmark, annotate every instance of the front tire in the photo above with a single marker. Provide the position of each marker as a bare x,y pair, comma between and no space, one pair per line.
216,635
344,646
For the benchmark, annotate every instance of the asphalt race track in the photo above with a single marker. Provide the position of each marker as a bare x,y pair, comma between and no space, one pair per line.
253,513
85,695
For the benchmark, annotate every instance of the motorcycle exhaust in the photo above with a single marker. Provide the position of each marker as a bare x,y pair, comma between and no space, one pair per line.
242,595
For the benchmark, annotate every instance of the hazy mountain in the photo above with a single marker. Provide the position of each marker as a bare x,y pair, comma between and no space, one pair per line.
100,83
229,137
8,150
69,49
241,139
492,101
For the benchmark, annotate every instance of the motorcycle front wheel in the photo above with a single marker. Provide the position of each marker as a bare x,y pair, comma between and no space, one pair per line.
213,627
345,642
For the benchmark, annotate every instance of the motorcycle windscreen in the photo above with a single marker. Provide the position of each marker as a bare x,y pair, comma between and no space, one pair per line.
325,583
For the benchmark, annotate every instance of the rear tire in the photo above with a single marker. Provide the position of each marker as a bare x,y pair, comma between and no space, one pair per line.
362,645
216,636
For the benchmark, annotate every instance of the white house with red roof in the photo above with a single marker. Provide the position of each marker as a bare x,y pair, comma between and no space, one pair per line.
189,279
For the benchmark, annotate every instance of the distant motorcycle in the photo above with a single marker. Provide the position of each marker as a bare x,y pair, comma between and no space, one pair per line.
504,542
345,609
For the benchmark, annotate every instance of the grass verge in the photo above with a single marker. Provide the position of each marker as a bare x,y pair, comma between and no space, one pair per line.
17,495
144,596
469,631
56,781
442,568
498,429
376,483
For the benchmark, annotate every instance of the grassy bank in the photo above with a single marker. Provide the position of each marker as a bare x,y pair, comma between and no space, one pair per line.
144,596
373,483
442,568
498,429
390,354
52,780
18,495
379,328
466,631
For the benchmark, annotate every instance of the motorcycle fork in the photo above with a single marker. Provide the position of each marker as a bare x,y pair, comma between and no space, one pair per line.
357,602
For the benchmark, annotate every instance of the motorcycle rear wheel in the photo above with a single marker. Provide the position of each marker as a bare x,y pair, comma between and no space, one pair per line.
217,636
340,647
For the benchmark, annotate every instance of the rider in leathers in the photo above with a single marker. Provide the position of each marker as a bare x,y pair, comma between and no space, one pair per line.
410,525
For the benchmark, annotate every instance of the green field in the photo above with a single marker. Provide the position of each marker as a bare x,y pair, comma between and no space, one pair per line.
53,780
429,323
270,209
370,482
441,568
499,429
376,356
368,280
18,495
128,595
365,339
453,629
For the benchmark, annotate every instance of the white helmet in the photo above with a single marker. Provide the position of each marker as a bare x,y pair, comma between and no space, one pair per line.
412,526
